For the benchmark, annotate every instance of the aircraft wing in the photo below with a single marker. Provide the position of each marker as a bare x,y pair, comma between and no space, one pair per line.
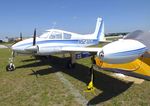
81,49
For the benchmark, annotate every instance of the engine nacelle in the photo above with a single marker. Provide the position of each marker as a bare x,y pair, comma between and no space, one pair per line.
48,50
121,51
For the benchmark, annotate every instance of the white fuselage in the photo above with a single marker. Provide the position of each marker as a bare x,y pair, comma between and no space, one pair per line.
53,41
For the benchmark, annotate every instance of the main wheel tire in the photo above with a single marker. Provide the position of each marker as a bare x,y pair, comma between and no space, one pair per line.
10,67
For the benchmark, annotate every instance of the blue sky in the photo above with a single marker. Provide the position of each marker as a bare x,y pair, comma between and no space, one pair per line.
73,15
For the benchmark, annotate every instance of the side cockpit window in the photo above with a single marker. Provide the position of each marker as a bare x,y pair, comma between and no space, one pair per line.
67,36
55,35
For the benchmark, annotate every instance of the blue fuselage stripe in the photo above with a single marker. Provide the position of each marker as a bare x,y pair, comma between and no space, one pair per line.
132,52
65,42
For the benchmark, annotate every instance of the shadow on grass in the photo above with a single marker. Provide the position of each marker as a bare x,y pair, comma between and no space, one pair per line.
32,59
110,86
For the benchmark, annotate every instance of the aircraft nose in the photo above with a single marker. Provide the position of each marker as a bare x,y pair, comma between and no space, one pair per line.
16,47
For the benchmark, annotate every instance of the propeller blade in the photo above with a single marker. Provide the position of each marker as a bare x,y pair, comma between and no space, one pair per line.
34,38
20,36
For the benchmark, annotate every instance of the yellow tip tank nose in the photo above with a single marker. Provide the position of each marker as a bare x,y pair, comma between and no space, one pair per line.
140,66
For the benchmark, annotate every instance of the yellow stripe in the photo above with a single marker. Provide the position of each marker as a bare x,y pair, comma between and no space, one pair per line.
140,66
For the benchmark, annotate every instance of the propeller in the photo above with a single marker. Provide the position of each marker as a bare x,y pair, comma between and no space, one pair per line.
34,47
34,37
20,36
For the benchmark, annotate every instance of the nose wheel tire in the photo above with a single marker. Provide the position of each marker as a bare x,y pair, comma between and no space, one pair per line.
10,67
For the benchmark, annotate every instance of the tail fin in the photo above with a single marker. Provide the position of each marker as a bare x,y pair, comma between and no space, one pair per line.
99,30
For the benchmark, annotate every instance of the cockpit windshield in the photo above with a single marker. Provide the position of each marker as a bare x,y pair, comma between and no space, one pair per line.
44,35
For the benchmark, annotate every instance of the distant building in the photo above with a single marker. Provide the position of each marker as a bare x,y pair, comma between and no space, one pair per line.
117,34
5,39
10,39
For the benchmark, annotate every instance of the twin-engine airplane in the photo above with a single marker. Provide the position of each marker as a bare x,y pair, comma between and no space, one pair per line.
59,41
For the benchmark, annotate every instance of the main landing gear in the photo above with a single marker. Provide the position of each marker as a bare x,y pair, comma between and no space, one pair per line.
71,62
11,66
70,65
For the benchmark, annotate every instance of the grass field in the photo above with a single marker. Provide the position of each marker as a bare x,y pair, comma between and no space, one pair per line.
36,83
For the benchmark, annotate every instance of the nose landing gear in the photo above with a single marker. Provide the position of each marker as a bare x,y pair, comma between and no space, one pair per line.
11,66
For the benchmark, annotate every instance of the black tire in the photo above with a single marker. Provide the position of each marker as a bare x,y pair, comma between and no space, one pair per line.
10,68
